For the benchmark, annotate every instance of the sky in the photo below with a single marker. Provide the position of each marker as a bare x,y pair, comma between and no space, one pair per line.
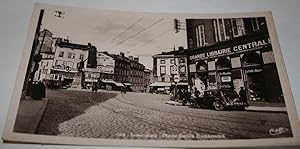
134,33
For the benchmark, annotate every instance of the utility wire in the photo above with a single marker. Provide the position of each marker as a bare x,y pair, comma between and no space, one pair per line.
138,32
128,28
158,36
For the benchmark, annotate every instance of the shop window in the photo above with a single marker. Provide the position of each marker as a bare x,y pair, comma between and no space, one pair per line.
200,36
236,62
211,65
201,66
223,63
236,74
192,67
237,27
251,59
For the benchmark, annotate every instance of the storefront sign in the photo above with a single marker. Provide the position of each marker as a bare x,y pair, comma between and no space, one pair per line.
252,45
226,79
253,70
240,48
225,73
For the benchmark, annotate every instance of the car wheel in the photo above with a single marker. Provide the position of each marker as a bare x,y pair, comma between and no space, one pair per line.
218,106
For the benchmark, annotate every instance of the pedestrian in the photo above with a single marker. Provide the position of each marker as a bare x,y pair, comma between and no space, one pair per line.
186,97
243,96
180,95
196,93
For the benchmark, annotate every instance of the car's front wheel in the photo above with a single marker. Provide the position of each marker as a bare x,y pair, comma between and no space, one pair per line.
218,106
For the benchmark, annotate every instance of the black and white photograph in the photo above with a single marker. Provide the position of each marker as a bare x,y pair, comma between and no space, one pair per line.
102,74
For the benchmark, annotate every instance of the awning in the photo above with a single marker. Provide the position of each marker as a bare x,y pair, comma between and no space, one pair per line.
113,82
127,84
90,80
108,81
119,84
161,84
181,83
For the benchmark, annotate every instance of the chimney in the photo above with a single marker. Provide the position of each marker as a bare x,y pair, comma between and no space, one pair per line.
130,57
180,48
122,54
136,59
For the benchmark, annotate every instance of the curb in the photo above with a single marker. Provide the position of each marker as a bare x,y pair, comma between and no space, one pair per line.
266,109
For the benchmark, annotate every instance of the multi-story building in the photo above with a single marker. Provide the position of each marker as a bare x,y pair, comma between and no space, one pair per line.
121,67
105,65
136,77
45,48
67,56
168,65
148,79
232,53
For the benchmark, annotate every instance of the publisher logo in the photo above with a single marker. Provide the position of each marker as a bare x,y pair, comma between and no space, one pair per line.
277,131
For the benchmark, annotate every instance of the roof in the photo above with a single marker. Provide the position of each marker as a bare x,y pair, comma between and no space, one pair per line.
171,53
67,44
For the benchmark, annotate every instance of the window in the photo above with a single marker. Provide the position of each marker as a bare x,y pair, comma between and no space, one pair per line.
162,79
237,27
61,54
162,70
71,55
219,28
200,36
172,61
162,61
255,24
182,60
81,56
173,69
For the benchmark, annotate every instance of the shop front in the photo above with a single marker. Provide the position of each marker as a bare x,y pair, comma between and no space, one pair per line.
243,63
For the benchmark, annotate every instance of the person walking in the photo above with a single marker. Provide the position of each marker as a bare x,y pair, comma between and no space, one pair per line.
243,95
180,95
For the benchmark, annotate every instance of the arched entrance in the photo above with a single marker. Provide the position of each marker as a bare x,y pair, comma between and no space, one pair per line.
223,67
253,76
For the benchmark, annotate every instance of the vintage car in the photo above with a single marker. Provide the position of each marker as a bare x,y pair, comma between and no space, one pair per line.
220,99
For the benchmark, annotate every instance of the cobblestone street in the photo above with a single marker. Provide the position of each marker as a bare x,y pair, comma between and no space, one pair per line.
147,116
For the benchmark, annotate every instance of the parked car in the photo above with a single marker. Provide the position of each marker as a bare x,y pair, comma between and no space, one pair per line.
220,99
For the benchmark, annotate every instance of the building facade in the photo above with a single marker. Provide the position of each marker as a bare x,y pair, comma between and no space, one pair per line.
121,67
67,56
230,54
167,66
148,79
105,65
136,77
46,49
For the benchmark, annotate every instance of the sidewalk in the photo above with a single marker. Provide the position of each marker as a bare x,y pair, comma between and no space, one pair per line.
29,115
266,107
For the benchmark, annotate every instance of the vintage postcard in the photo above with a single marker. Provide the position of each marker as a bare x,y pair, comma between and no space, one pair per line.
102,77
